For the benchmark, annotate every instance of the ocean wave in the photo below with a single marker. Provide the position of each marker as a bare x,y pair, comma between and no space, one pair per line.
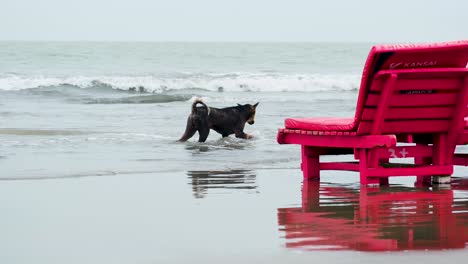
37,138
217,82
41,132
146,99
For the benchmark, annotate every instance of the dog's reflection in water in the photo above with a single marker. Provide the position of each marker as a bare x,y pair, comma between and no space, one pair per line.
202,181
197,147
228,143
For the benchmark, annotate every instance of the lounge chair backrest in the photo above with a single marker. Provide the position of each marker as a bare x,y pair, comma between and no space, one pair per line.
405,57
415,101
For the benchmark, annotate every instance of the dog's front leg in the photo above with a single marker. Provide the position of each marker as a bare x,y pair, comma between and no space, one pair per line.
243,135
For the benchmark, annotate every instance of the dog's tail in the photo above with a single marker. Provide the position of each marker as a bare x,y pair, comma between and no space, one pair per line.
199,101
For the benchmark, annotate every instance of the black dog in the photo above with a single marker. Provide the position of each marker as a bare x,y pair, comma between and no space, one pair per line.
226,121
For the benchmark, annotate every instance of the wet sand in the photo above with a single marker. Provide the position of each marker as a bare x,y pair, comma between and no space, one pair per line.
196,217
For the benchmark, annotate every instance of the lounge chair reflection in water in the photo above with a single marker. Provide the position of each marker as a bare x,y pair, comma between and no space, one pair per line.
334,217
414,94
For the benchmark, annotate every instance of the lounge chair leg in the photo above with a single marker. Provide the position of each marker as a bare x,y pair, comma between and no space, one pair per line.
374,162
373,181
310,163
363,173
383,181
364,168
440,158
423,181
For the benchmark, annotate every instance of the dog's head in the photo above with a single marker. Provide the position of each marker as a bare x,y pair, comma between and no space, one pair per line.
251,113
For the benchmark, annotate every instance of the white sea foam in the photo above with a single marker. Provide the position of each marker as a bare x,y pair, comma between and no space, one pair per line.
233,82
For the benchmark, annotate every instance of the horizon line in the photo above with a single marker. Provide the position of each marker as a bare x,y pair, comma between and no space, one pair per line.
211,41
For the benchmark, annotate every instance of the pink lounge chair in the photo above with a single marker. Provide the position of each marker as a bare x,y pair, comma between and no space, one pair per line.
406,91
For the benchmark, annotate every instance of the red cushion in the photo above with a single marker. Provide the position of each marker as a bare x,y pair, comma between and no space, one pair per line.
321,124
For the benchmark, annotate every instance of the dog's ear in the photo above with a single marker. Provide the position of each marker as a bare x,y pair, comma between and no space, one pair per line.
255,105
239,105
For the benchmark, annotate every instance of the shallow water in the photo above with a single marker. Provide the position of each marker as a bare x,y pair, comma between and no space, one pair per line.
95,138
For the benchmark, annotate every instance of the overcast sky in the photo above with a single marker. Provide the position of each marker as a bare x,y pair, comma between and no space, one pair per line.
234,20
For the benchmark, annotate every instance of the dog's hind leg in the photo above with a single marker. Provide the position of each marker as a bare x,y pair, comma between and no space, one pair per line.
203,132
189,131
188,134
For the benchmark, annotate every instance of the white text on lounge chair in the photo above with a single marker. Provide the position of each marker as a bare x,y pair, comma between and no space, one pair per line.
416,64
393,154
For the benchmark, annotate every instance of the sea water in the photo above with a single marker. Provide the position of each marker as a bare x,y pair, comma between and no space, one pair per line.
73,109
